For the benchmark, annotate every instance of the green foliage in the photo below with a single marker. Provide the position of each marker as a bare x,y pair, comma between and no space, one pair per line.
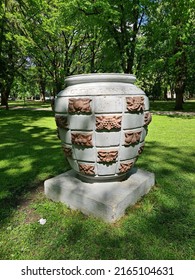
154,39
165,55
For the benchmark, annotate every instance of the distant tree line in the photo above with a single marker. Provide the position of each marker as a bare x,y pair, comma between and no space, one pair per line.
42,41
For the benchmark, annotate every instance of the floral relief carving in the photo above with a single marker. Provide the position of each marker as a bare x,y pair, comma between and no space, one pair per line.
135,103
132,137
61,121
105,122
67,151
141,149
79,105
82,139
124,167
87,169
147,118
107,156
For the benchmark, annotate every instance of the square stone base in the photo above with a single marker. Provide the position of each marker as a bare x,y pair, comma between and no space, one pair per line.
106,200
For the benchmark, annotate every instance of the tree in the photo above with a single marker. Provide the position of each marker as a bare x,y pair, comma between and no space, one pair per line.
151,38
12,57
60,42
169,34
121,21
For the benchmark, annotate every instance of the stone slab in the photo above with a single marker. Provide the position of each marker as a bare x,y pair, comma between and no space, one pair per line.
106,200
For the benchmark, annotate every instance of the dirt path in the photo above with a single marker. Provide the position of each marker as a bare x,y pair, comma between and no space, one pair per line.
30,109
178,113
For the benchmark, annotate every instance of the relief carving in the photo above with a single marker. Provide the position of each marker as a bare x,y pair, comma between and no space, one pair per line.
124,167
141,149
135,103
67,151
107,156
79,105
87,169
61,121
104,122
132,137
82,139
147,118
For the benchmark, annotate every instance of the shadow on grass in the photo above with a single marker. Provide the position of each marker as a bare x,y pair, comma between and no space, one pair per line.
30,153
188,106
160,226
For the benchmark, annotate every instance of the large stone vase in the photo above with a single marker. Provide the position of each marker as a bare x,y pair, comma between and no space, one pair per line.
102,122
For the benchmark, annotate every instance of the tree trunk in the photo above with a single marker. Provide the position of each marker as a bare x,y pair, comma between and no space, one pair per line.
179,90
92,61
42,82
130,60
42,96
165,93
42,86
180,70
4,99
57,87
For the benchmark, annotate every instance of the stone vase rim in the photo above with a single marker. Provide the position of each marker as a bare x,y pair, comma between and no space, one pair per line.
100,77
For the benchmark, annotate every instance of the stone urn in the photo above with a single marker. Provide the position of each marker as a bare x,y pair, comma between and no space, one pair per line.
102,122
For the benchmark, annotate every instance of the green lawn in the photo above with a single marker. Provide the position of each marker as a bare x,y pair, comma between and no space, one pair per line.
29,104
160,226
188,106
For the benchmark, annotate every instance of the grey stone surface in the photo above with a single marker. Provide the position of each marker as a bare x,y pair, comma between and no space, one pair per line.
131,121
89,99
106,200
84,154
107,139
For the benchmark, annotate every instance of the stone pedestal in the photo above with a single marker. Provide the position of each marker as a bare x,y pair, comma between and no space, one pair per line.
106,200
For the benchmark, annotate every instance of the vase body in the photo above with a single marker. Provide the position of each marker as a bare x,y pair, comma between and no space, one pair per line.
102,122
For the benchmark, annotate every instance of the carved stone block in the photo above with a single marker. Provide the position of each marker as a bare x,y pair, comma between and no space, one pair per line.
107,156
79,105
108,122
67,151
61,121
87,169
102,121
147,118
141,149
124,167
132,138
82,139
135,103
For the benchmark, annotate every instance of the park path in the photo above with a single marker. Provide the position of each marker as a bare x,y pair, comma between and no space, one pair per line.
169,113
30,109
166,113
178,113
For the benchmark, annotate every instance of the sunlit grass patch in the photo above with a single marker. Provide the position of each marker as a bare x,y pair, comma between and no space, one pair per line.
159,226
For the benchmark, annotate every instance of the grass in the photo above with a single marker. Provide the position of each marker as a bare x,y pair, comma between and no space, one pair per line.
188,106
29,104
160,226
